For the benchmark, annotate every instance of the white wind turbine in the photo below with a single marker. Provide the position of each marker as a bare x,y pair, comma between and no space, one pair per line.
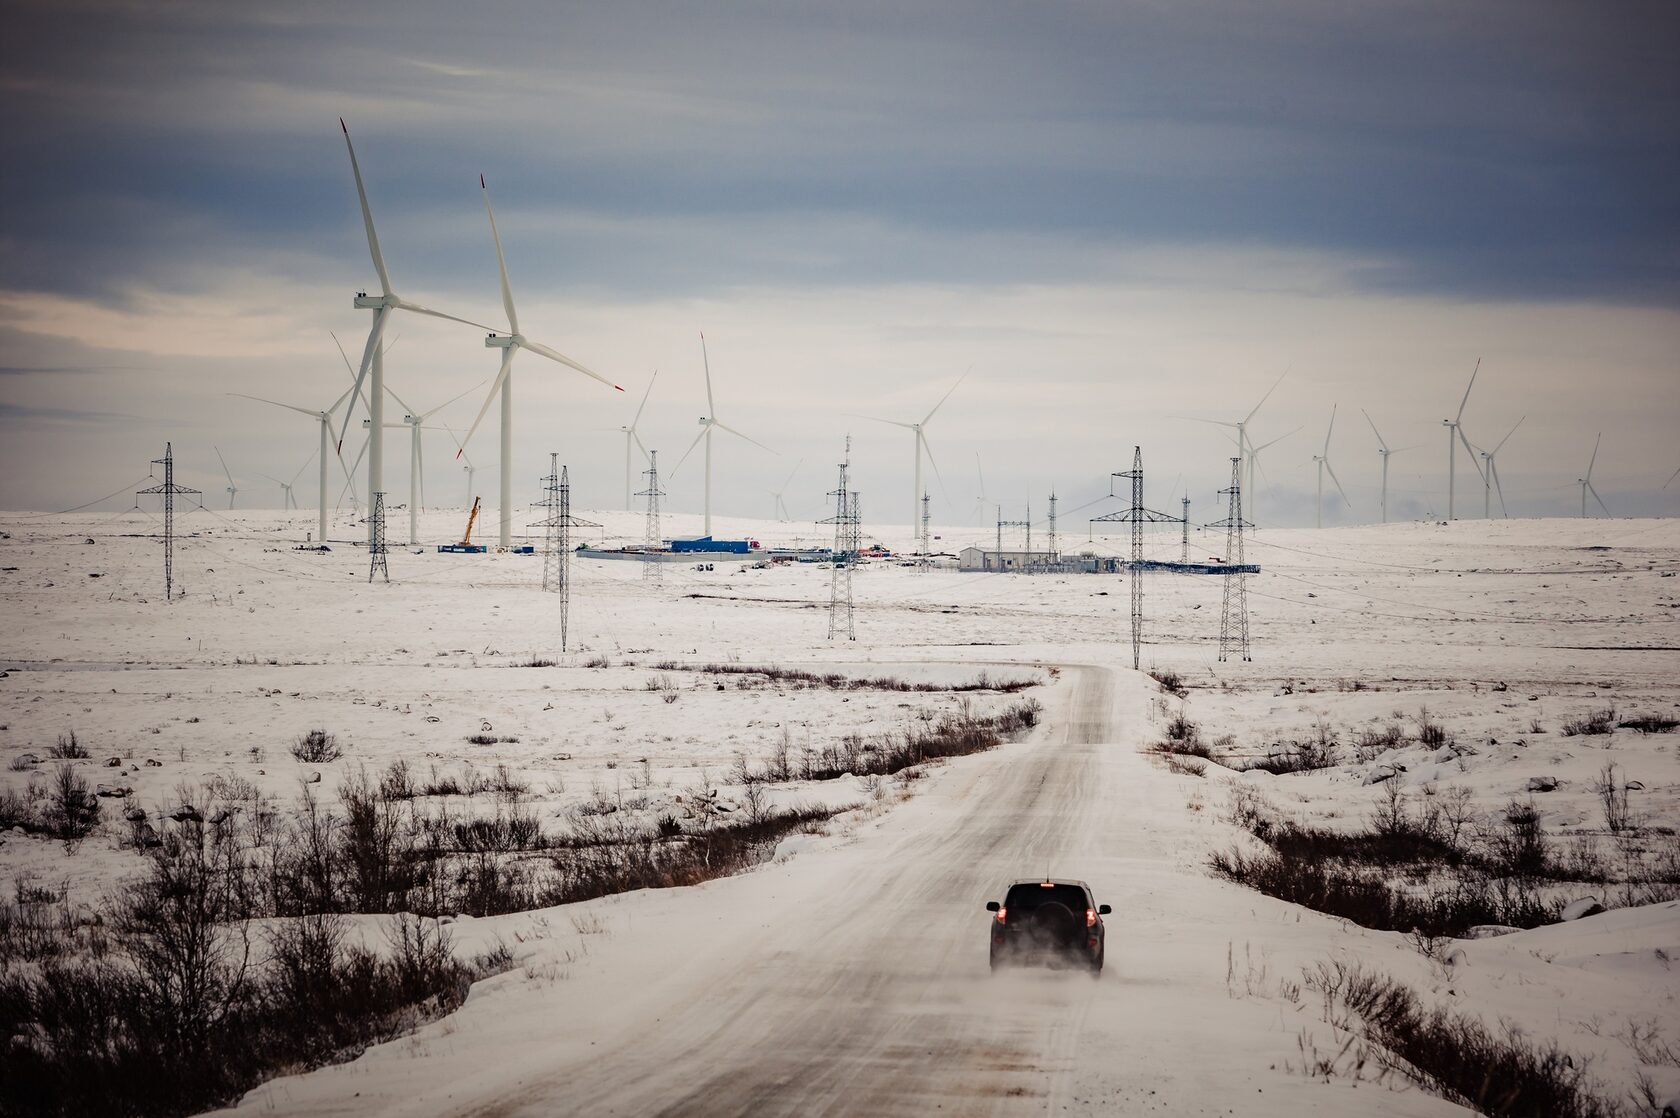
1455,436
1254,465
1323,461
1490,475
707,422
231,487
1585,483
416,422
1385,451
287,501
919,448
510,344
1245,448
780,509
630,437
373,355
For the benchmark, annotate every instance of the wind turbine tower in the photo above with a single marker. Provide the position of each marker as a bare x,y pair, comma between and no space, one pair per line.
510,344
707,422
1385,452
1323,461
630,437
1490,475
1586,482
1455,436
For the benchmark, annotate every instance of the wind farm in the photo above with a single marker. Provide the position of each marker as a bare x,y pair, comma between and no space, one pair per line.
624,741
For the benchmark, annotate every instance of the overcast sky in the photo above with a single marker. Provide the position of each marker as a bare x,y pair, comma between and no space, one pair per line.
1113,214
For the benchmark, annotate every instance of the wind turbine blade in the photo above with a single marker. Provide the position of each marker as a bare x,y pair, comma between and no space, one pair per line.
1508,435
878,419
1266,397
223,461
379,317
337,402
1374,430
1671,478
501,261
418,309
367,214
638,441
270,477
739,435
278,404
460,448
1594,459
789,480
1332,471
351,369
927,448
401,403
704,427
1599,499
1493,468
643,404
947,395
302,468
1330,430
427,415
1254,451
557,356
1467,389
1199,419
711,408
495,387
1470,450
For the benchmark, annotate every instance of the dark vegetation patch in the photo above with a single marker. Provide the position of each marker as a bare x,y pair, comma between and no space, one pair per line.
1170,681
838,681
1455,1056
317,747
1650,724
152,1004
1592,723
954,734
68,748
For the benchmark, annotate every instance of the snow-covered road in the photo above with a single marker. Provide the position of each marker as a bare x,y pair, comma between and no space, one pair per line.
854,980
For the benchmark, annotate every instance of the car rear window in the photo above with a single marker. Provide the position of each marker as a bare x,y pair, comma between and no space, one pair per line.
1025,898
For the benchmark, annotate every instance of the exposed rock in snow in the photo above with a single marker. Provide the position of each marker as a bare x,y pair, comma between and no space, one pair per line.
1542,783
1489,931
113,791
1381,773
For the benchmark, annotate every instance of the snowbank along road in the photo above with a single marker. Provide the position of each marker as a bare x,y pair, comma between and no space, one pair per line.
855,980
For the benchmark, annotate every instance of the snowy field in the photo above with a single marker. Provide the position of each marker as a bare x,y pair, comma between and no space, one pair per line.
803,986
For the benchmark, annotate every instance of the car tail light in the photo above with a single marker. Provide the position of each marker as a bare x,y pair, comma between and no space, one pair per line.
1090,918
1002,914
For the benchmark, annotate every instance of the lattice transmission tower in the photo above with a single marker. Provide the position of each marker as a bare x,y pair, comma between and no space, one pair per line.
1184,552
652,569
1233,612
1052,556
376,539
927,535
1026,554
1137,516
168,489
848,538
557,528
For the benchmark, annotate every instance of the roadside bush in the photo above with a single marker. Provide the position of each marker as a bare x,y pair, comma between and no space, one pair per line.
317,747
1456,1056
1650,724
1170,681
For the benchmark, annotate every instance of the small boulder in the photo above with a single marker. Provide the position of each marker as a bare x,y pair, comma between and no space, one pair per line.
27,759
153,763
148,836
135,814
1585,906
1635,786
1381,773
113,791
1542,784
314,778
1489,931
187,813
114,763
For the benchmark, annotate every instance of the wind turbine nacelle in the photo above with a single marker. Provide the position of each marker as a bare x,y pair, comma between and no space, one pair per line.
703,421
498,341
410,419
367,424
366,302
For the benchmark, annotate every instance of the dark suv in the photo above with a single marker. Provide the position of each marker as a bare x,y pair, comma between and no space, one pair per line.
1048,921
